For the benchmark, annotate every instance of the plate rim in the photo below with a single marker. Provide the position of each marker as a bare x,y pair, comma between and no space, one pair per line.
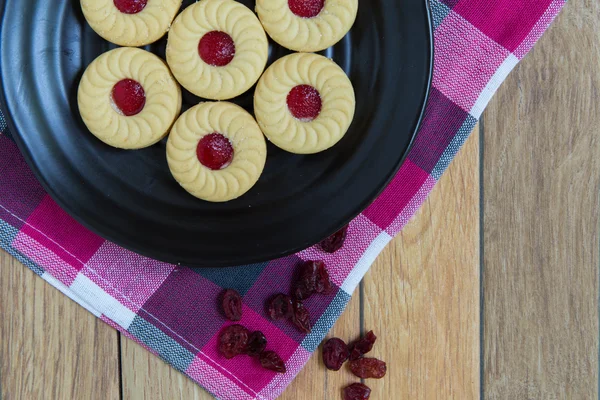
130,245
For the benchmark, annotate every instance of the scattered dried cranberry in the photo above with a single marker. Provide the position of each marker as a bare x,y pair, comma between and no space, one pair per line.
281,307
301,317
271,360
323,283
232,305
335,354
362,346
313,278
357,391
368,368
257,342
301,293
233,341
335,242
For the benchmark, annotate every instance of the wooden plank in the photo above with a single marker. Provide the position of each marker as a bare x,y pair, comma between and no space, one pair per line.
422,294
51,347
145,376
541,184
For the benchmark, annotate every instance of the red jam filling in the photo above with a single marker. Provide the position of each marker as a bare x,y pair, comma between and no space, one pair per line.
306,8
304,102
216,48
129,97
215,151
130,6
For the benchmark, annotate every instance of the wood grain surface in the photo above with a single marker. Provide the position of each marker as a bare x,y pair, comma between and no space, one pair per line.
528,198
541,185
422,293
50,347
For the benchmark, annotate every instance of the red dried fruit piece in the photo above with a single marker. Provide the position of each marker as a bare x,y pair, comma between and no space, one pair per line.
301,292
233,341
368,368
232,305
257,342
335,354
335,242
313,278
362,346
281,307
357,391
323,282
301,317
306,284
271,360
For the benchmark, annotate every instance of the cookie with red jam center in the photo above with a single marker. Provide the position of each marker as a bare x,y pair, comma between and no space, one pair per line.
130,22
304,103
216,151
307,25
217,49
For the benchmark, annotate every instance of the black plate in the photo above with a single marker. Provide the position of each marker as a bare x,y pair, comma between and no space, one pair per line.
129,197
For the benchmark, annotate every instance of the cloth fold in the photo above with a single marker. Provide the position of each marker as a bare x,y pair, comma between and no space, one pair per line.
171,310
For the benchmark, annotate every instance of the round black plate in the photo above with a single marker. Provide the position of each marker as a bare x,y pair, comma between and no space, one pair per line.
129,197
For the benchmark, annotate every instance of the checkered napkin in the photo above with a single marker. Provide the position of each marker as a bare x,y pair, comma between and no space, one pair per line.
171,310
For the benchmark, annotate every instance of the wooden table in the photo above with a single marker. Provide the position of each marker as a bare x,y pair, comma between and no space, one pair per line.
491,290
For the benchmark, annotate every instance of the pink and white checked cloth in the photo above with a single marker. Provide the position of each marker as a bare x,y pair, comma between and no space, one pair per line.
171,310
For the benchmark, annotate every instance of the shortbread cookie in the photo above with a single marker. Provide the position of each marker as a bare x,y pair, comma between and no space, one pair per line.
307,25
216,151
130,22
128,98
304,103
217,49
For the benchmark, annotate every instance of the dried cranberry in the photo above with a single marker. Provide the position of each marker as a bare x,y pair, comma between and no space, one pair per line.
301,317
313,278
257,342
357,391
323,282
232,305
368,368
362,346
335,354
335,242
301,292
233,341
271,360
281,307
